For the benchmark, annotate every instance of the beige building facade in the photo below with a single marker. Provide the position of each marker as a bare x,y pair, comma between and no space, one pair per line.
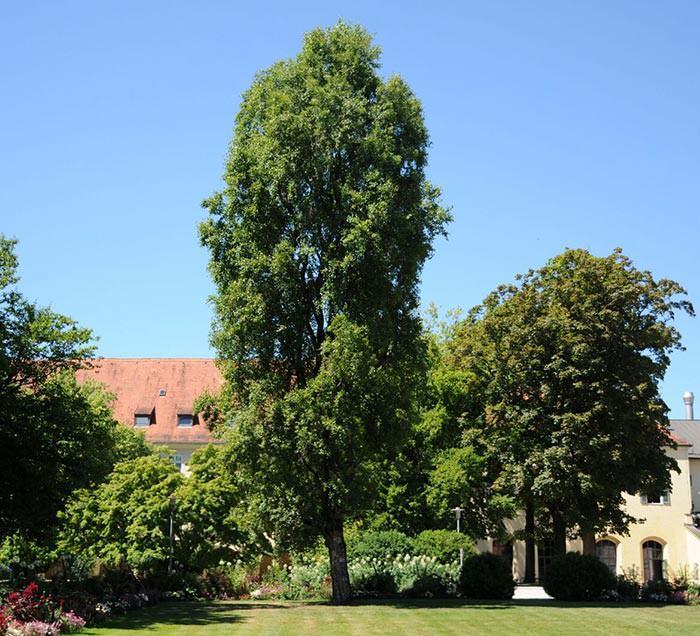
665,543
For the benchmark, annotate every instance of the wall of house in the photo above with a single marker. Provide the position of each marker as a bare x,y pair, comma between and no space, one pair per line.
182,453
664,523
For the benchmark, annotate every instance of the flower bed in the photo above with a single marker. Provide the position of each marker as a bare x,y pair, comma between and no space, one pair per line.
31,613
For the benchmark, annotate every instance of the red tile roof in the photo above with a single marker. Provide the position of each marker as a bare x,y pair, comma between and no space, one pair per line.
137,383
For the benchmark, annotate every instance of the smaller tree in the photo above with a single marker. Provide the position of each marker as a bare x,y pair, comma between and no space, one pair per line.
125,520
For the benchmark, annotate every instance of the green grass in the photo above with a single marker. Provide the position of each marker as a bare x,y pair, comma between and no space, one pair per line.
279,618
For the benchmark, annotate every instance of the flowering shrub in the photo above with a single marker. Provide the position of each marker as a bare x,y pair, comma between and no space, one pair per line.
30,605
407,574
425,576
71,623
40,628
657,591
693,594
371,575
307,581
628,586
30,613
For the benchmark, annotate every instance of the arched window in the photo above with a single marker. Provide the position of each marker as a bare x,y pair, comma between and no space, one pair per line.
607,553
653,558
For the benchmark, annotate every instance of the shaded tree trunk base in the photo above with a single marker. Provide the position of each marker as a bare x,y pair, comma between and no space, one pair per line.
337,553
588,540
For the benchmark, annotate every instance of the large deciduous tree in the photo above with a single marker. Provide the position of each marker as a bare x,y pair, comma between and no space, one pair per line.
317,243
567,364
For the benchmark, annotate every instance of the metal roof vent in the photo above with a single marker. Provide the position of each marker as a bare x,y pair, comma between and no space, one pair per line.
688,399
161,393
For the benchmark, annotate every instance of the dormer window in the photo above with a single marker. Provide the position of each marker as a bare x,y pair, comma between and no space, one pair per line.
185,420
141,420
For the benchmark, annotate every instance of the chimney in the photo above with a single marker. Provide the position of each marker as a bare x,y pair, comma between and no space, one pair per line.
688,399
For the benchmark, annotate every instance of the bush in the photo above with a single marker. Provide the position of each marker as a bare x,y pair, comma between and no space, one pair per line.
578,577
486,576
424,576
307,581
23,559
657,591
628,586
444,545
426,586
382,544
372,576
693,594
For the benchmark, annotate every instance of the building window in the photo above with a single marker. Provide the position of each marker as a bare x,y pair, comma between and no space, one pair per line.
142,419
177,460
653,558
545,550
607,553
185,420
658,499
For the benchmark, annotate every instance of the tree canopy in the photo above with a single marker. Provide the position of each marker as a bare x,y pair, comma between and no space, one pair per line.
317,243
566,365
125,519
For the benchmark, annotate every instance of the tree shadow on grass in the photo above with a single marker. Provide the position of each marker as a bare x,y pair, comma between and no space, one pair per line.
457,603
195,613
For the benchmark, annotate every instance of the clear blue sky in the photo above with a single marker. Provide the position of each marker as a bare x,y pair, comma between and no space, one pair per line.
554,124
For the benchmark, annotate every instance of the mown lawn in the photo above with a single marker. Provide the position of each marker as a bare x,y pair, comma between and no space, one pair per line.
403,617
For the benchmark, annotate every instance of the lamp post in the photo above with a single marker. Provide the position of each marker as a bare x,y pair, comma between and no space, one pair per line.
458,515
173,500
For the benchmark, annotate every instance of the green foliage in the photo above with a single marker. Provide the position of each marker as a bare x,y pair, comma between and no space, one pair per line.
367,578
22,559
317,243
444,465
208,505
578,577
444,545
125,520
627,585
486,576
381,544
568,364
660,591
424,576
307,581
405,574
55,435
693,594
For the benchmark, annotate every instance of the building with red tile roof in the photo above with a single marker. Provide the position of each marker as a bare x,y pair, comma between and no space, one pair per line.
156,395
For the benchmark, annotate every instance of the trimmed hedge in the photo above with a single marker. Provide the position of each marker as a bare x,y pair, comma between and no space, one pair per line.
578,577
444,545
486,577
